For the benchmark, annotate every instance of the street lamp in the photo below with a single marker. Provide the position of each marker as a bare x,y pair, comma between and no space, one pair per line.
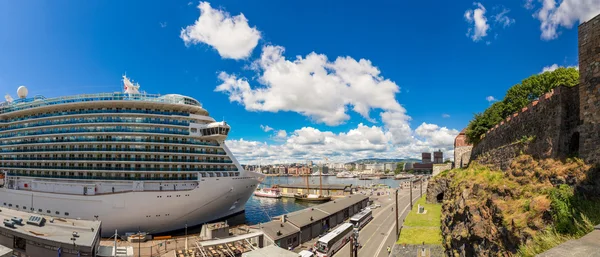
186,237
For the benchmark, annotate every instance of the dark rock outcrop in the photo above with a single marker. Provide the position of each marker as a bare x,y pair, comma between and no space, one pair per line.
436,188
492,213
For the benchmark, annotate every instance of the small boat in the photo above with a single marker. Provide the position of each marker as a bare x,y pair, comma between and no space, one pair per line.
312,198
345,174
268,192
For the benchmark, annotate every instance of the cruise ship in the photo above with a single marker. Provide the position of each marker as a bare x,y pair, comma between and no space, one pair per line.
135,161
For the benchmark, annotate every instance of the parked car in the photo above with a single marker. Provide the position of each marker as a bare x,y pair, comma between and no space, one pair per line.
375,206
305,253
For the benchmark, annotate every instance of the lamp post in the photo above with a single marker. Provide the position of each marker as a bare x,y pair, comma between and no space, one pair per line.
186,238
74,245
139,242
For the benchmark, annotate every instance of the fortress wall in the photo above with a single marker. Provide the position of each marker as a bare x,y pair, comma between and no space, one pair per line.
589,89
546,128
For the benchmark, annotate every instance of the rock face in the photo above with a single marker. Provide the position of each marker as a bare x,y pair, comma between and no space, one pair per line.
472,224
487,212
436,188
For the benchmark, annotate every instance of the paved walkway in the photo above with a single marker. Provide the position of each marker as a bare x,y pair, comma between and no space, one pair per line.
587,246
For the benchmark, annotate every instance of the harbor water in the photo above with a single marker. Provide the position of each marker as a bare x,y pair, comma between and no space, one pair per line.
259,209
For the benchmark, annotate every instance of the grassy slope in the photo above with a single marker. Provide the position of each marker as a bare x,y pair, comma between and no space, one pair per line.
528,196
419,228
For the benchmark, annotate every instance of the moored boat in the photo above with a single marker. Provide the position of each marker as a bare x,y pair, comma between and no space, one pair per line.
312,198
268,192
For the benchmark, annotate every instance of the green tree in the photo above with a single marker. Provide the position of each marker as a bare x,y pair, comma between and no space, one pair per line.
399,168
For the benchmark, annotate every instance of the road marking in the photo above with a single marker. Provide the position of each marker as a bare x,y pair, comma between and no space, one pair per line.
390,231
373,222
377,230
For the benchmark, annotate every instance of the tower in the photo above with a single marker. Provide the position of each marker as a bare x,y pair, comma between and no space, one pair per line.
588,138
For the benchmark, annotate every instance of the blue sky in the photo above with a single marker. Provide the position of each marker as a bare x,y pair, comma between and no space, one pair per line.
427,65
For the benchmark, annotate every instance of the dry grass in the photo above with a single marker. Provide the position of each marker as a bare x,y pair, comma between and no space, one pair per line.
527,198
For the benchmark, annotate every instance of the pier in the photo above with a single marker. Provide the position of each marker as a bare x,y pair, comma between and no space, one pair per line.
295,228
333,190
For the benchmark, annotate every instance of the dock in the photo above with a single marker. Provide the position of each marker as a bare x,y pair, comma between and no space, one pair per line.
333,190
298,227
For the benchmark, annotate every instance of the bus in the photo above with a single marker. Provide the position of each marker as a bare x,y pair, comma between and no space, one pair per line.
333,241
361,219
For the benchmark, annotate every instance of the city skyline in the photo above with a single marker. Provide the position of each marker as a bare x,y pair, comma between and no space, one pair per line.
377,81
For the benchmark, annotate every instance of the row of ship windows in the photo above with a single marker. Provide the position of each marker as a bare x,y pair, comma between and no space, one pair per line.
33,209
118,147
169,196
94,111
118,167
96,120
124,175
115,157
111,138
94,129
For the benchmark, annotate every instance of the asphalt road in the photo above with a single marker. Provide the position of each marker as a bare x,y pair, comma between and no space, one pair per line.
380,232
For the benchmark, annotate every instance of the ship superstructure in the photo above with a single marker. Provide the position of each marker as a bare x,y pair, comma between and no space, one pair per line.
135,161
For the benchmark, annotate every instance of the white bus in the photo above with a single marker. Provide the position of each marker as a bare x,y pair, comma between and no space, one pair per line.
361,219
334,241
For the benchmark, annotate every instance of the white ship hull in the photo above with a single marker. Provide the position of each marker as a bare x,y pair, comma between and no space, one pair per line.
152,212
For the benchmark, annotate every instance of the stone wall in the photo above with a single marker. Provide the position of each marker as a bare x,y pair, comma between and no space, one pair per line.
589,89
438,168
548,125
462,156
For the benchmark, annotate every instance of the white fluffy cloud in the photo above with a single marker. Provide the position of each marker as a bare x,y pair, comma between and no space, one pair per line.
361,142
327,91
491,99
477,19
565,13
265,128
231,36
281,134
502,18
529,4
436,136
313,86
445,115
550,68
554,67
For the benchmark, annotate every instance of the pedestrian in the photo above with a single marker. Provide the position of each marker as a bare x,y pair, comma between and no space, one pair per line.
389,250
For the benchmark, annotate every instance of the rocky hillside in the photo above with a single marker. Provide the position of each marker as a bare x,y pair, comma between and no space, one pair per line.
533,206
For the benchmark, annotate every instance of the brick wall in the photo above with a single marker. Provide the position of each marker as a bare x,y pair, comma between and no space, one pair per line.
589,89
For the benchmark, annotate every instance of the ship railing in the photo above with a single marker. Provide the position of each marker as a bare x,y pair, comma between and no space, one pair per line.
29,117
110,150
111,120
78,139
113,159
92,130
103,178
113,168
27,103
